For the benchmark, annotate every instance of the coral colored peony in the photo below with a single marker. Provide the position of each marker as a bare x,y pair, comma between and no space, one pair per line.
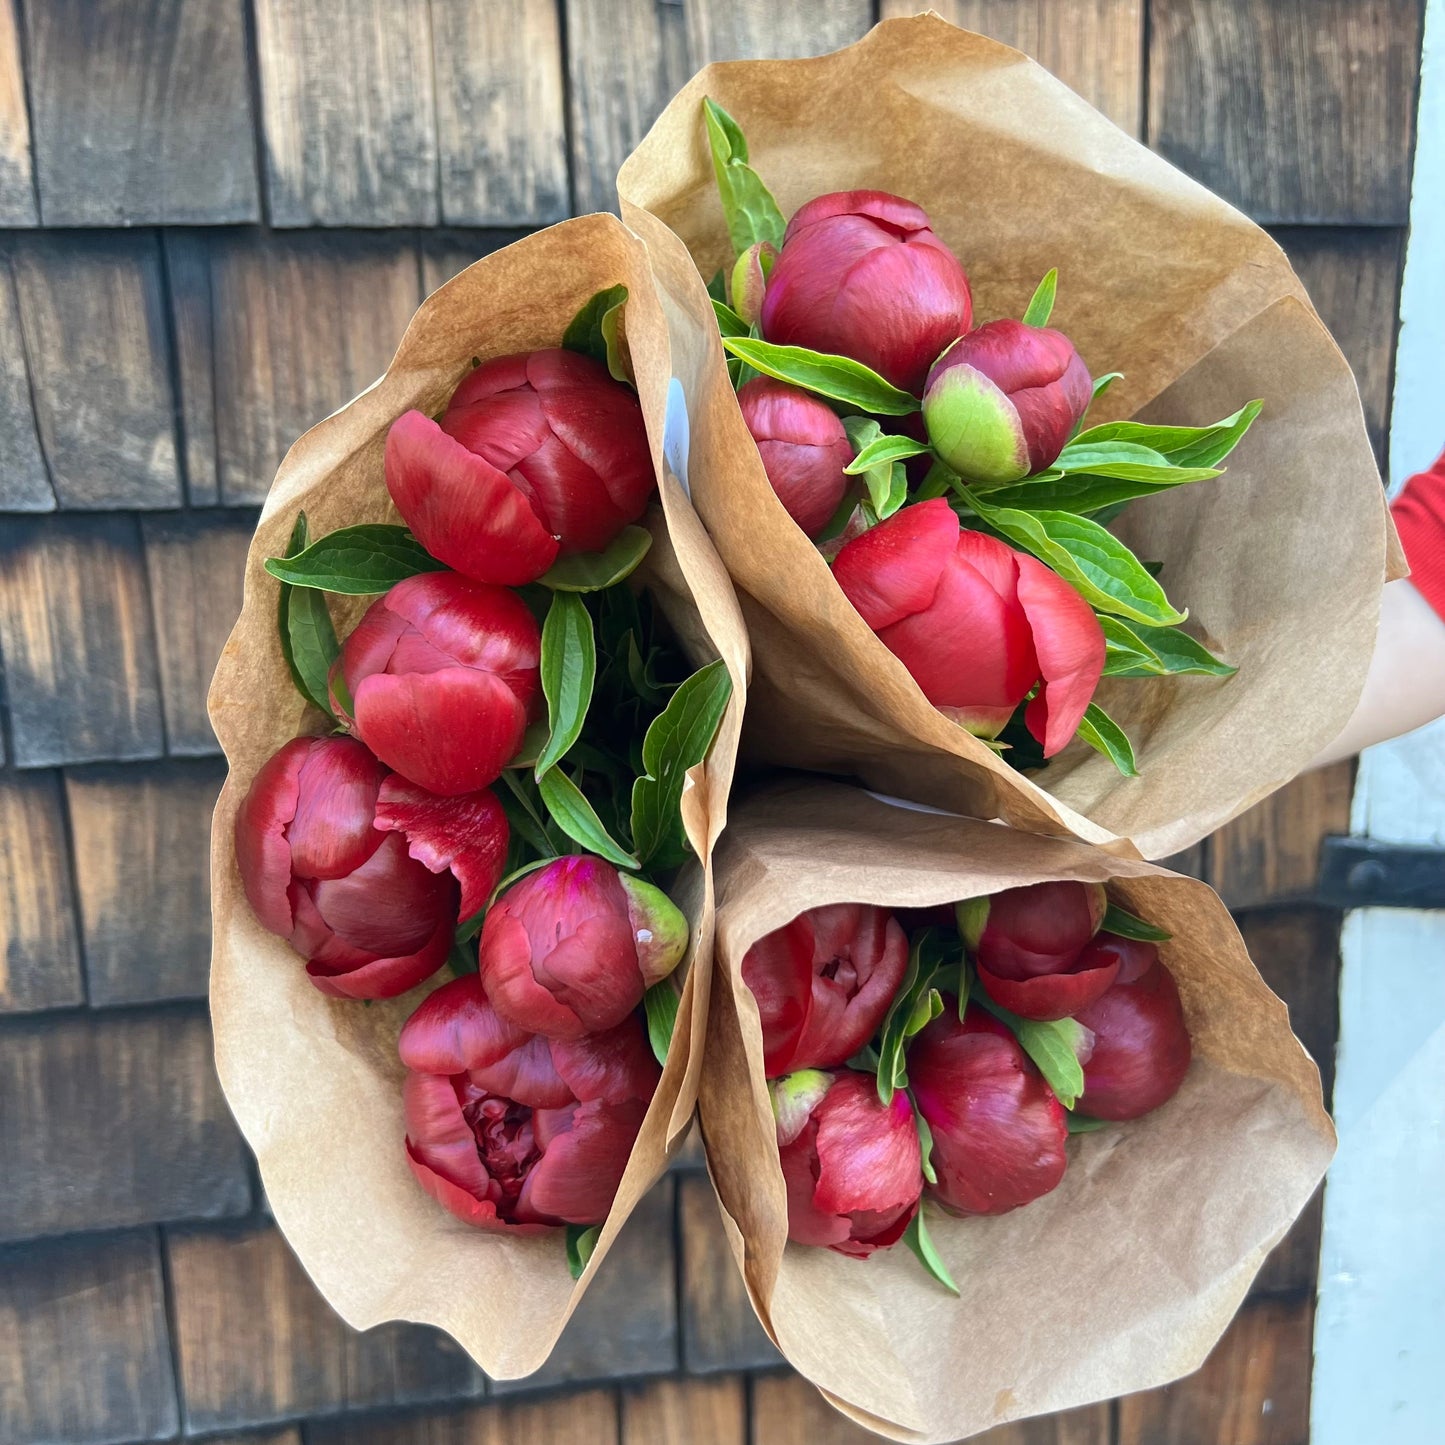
803,446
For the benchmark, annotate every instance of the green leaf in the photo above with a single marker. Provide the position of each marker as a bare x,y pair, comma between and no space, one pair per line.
1126,925
1103,383
592,571
1083,456
358,561
1052,1046
1184,446
886,479
1084,492
522,813
660,1004
1135,650
915,1005
593,331
1105,736
839,378
925,1146
581,1241
460,959
717,288
533,741
917,1238
577,818
729,323
568,668
1103,570
883,450
1041,306
1082,1124
308,637
752,213
677,739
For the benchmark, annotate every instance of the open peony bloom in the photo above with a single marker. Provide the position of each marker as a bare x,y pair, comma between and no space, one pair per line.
361,871
1141,1043
998,1130
850,1163
572,948
1002,402
861,274
803,446
512,1131
823,983
439,678
1032,947
536,455
977,624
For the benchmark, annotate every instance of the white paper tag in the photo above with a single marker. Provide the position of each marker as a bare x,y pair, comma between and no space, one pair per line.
676,434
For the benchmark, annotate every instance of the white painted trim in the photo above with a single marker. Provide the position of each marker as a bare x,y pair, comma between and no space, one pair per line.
1379,1375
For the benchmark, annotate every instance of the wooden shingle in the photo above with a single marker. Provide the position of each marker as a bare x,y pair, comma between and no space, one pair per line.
581,1419
501,123
1253,1390
17,189
725,30
122,1124
720,1331
188,270
24,482
299,324
668,1412
348,112
84,1352
39,943
256,1343
142,112
626,1324
77,641
1094,46
1298,112
93,318
195,563
142,869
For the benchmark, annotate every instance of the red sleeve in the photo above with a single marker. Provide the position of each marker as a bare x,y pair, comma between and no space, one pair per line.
1419,513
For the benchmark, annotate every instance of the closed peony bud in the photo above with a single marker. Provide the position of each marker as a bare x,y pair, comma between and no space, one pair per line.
361,871
1141,1043
439,678
823,983
750,279
998,1129
850,1163
536,455
511,1131
861,274
977,624
571,948
803,446
1002,401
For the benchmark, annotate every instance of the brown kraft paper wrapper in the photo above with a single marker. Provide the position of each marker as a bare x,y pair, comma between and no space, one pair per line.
1125,1275
315,1082
1279,562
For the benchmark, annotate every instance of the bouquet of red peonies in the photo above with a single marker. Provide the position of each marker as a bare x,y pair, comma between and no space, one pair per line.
1052,1073
480,710
1048,550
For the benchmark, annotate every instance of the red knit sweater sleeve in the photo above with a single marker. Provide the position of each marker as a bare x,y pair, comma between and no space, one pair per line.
1419,513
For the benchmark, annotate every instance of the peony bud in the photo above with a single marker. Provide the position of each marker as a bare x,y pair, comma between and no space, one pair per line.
571,948
361,871
823,983
803,446
750,279
536,454
1141,1043
510,1131
861,274
998,1129
1002,401
977,624
851,1164
438,680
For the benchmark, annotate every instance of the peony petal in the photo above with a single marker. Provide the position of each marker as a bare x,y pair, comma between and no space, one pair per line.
577,1177
526,1074
369,649
894,570
456,1029
491,378
602,426
1048,996
438,1134
901,215
778,969
331,834
463,511
505,966
593,973
467,835
390,905
868,1153
572,497
807,1224
501,429
449,732
614,1067
387,977
262,853
1070,647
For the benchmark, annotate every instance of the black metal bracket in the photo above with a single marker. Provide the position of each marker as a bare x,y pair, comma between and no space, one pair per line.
1363,873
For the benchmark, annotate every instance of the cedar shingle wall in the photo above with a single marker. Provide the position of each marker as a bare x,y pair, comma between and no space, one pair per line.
216,217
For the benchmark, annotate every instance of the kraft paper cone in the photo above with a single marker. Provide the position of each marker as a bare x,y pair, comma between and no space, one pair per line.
1279,562
315,1082
1121,1279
